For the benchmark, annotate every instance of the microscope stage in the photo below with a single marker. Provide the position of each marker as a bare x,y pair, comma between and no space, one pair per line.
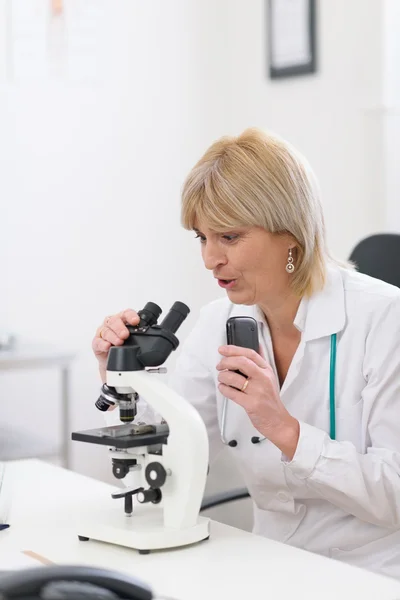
99,436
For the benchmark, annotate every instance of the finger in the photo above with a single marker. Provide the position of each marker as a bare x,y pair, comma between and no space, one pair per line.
130,316
261,352
239,363
113,331
108,335
231,378
100,346
232,350
117,324
234,395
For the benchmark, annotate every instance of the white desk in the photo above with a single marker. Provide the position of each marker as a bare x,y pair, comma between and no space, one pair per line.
48,500
42,357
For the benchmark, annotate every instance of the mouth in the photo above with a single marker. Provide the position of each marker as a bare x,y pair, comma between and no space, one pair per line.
227,284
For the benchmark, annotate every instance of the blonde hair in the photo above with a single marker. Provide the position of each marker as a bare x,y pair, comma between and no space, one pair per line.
258,179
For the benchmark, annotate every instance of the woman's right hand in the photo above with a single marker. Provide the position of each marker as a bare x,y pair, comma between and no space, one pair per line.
112,332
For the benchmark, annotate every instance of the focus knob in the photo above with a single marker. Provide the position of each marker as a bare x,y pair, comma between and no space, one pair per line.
150,495
155,475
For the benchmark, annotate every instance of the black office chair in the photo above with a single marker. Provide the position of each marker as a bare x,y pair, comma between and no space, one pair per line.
224,497
378,256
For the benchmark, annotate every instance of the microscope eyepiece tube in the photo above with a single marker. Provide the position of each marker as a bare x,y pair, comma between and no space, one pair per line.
174,319
149,314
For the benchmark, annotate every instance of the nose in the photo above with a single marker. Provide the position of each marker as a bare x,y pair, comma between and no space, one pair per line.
213,256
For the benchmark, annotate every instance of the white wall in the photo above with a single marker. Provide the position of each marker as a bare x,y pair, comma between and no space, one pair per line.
91,173
91,178
389,112
329,115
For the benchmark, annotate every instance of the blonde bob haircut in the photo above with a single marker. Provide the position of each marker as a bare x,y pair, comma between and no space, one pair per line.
259,180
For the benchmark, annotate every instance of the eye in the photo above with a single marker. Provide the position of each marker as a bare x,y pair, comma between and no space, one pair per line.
201,238
230,237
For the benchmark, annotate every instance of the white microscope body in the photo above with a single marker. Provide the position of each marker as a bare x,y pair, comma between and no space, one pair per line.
168,477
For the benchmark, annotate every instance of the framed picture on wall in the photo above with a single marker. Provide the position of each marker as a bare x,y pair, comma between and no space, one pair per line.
291,36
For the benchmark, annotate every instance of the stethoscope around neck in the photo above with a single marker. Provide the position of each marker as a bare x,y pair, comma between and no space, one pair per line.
255,439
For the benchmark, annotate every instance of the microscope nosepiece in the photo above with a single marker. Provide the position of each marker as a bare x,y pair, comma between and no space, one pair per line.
126,402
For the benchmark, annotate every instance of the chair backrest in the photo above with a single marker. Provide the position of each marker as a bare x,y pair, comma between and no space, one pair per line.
379,256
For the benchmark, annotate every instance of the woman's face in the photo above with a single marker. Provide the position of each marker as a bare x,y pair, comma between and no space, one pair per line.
249,263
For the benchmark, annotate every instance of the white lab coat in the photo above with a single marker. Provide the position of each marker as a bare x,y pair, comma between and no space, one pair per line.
337,498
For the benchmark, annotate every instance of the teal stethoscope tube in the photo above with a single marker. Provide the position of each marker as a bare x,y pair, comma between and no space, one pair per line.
332,401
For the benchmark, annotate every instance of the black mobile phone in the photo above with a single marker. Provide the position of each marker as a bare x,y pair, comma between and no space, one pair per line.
242,331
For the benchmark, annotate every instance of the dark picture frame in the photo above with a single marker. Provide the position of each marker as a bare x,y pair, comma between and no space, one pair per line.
277,31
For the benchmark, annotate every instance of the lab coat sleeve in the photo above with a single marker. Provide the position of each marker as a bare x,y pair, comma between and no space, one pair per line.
364,485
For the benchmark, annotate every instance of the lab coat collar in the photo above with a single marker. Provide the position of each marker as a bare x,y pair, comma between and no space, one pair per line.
318,316
326,312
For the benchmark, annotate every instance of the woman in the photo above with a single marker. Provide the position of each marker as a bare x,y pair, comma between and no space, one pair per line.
325,474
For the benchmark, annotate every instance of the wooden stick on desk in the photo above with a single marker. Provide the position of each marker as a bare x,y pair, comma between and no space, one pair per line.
38,557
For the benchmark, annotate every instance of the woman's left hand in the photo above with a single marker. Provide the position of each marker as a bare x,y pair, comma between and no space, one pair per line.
259,396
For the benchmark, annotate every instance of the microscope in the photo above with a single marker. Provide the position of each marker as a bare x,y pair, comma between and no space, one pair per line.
164,464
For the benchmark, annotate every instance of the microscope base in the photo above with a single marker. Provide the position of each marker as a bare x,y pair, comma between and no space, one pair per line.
143,531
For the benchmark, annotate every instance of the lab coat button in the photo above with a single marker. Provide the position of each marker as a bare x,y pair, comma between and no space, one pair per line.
283,497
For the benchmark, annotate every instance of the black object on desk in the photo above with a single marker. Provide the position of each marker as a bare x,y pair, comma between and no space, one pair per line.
71,582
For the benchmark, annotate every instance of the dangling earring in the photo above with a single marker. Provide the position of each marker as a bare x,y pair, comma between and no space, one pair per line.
290,266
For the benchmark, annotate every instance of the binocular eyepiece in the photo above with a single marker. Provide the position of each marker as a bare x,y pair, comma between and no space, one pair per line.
150,314
148,344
